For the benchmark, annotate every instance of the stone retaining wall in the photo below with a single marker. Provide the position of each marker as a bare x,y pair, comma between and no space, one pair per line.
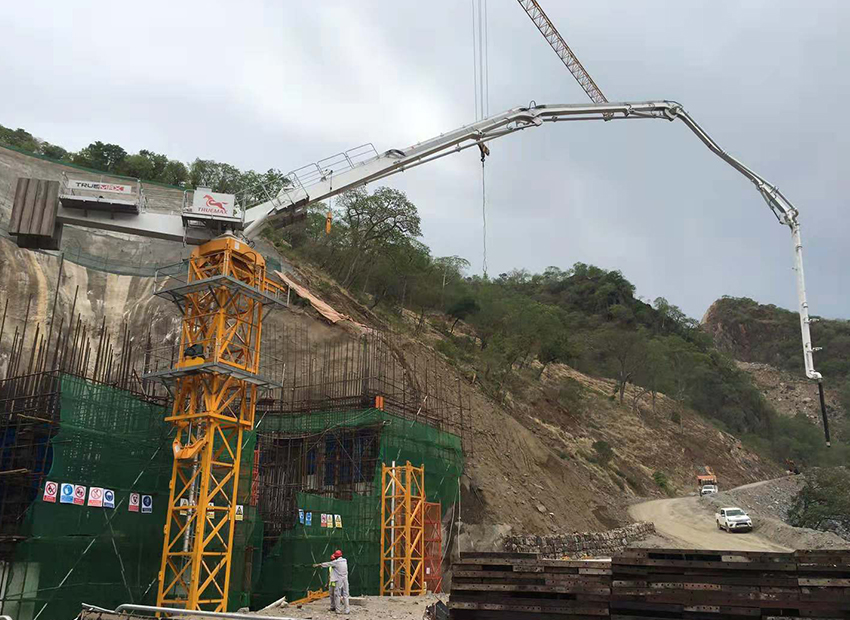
584,543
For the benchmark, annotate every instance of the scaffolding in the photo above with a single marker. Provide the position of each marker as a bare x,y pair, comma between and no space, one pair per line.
433,553
339,407
29,416
402,530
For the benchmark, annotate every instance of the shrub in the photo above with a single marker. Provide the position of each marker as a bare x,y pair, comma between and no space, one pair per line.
662,481
824,501
604,452
570,394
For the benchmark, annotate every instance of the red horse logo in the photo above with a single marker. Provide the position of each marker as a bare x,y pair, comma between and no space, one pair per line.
212,202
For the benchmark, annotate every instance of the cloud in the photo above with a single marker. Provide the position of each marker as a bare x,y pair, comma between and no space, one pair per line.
279,85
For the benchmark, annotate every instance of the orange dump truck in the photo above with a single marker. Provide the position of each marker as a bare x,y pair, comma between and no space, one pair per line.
706,481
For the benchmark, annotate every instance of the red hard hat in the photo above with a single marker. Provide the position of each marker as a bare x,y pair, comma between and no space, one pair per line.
337,554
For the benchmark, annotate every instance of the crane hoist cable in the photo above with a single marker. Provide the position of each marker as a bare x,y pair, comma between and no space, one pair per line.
484,152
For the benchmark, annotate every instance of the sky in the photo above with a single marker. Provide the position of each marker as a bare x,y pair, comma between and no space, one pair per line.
283,84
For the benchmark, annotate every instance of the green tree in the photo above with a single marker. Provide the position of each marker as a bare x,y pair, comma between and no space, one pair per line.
844,397
384,217
174,173
462,308
19,138
54,152
824,501
554,349
624,349
101,156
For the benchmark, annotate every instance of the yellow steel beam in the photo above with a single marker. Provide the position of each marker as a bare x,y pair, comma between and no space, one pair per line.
211,411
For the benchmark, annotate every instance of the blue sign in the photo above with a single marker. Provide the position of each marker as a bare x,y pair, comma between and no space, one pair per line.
66,495
147,504
301,516
308,518
108,498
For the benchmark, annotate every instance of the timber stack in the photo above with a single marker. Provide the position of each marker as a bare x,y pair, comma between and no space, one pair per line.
653,583
522,585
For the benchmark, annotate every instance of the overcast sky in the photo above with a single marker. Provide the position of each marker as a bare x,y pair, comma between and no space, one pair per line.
282,84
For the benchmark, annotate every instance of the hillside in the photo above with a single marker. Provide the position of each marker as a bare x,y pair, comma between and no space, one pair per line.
765,334
765,340
544,438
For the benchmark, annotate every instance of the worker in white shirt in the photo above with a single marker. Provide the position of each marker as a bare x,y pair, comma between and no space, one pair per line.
331,584
339,576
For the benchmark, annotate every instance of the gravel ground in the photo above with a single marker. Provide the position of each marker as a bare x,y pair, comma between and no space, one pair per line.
771,499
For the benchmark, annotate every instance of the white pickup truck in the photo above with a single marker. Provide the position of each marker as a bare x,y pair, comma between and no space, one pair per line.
733,520
708,489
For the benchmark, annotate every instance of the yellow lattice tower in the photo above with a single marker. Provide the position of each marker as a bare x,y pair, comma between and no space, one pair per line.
402,530
215,391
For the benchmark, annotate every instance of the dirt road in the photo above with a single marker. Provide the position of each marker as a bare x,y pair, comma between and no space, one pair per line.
692,526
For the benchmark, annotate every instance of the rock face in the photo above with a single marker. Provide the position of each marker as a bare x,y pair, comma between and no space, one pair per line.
765,342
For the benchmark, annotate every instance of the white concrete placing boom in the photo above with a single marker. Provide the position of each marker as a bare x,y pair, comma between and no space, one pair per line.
293,200
296,199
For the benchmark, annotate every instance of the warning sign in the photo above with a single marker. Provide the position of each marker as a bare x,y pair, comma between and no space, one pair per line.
96,497
338,520
324,520
210,511
79,495
108,498
240,512
133,505
330,521
147,504
301,516
308,518
51,490
67,494
184,502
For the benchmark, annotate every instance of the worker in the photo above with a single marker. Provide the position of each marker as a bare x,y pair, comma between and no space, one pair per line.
339,575
332,583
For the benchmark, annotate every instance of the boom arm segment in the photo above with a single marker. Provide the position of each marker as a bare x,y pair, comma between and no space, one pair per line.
296,200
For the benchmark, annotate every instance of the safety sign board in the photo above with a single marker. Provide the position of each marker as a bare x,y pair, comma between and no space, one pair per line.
330,521
147,504
184,502
240,512
133,505
108,498
210,511
324,520
308,518
67,494
338,520
96,497
79,495
300,515
51,490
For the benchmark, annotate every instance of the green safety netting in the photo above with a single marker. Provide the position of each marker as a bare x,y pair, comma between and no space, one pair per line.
112,439
287,566
107,438
73,554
